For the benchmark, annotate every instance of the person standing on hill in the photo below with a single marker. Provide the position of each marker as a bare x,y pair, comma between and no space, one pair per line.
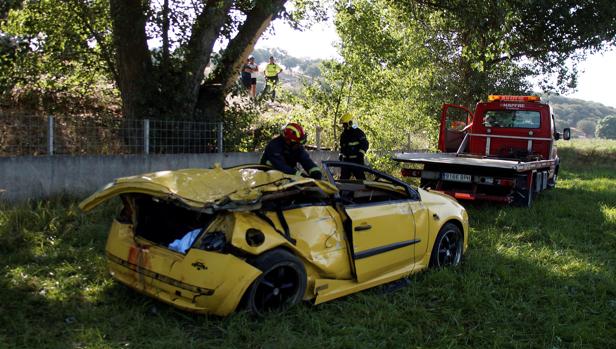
246,75
353,147
253,69
271,76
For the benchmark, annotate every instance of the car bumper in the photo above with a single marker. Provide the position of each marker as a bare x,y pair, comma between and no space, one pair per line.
200,281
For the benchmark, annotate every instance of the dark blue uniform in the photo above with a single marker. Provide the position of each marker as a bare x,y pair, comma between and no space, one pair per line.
284,157
353,146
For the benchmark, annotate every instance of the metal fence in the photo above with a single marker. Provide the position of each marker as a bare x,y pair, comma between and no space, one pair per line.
79,135
27,135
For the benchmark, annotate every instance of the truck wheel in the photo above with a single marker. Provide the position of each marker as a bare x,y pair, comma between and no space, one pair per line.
552,181
524,193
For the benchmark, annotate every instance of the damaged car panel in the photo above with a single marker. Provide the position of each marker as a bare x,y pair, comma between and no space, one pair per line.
215,188
206,239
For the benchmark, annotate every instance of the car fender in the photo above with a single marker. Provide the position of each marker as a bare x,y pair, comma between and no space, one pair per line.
443,209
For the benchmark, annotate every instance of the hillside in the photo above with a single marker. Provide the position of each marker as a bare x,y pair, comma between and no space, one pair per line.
580,115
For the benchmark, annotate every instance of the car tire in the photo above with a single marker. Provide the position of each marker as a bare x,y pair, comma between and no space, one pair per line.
281,285
447,250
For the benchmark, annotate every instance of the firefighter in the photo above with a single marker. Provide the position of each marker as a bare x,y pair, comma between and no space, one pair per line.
353,147
285,151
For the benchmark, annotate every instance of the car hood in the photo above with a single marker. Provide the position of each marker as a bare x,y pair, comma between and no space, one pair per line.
216,188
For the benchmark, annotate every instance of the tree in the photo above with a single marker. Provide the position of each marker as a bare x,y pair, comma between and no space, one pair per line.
606,127
587,126
165,82
64,46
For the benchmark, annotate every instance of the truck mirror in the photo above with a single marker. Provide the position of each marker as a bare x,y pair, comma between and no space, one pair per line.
567,134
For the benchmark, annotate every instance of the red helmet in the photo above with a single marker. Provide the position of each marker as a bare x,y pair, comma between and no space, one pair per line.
293,132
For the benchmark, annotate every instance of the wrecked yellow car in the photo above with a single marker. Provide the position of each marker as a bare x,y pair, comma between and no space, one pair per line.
210,240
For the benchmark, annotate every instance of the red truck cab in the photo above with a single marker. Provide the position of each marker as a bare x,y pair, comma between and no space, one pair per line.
504,151
506,127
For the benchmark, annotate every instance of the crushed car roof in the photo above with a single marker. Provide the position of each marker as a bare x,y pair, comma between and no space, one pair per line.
214,188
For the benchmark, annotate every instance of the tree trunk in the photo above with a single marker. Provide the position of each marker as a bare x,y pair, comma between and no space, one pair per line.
212,96
133,57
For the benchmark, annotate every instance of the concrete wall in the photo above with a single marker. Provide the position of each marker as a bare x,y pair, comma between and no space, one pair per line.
29,177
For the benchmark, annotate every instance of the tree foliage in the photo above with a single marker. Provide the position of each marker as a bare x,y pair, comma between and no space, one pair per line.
402,59
606,127
155,51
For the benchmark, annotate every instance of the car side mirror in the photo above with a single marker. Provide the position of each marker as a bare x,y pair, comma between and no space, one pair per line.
567,134
556,136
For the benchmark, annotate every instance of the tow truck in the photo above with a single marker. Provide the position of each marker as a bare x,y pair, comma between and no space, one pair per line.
504,151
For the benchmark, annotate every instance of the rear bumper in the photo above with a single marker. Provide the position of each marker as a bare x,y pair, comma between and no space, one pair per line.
185,294
476,196
199,281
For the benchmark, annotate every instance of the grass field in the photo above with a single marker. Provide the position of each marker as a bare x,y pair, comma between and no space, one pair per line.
538,278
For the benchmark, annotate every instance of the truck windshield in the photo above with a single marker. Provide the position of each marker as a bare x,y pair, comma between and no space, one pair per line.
512,119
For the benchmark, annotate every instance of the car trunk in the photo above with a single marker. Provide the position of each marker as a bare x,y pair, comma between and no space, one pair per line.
162,222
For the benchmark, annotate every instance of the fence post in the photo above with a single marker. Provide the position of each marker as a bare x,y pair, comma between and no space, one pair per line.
409,143
146,136
318,137
50,135
219,137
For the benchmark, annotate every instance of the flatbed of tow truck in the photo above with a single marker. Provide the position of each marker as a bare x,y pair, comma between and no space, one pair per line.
472,160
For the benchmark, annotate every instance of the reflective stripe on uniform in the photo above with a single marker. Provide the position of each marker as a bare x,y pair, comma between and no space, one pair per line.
362,151
314,169
353,143
352,156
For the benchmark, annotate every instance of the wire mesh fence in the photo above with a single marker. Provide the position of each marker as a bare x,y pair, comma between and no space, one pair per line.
22,135
27,135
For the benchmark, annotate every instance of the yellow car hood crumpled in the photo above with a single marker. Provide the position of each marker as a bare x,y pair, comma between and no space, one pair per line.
206,188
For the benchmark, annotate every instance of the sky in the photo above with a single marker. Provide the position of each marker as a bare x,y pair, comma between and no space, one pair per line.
596,77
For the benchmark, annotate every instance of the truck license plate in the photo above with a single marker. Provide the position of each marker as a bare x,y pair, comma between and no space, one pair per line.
456,177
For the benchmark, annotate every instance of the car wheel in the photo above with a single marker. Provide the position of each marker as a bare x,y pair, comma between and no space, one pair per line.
281,285
447,250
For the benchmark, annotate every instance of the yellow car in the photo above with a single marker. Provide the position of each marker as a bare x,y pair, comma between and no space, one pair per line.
210,240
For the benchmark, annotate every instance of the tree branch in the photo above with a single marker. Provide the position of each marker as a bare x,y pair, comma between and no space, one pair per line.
257,20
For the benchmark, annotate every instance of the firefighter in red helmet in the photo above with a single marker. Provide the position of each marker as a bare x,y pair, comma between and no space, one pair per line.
285,151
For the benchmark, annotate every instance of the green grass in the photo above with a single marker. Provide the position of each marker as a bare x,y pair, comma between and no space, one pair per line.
538,278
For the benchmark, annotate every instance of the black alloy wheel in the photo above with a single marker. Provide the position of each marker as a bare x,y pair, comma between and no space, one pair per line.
281,285
447,250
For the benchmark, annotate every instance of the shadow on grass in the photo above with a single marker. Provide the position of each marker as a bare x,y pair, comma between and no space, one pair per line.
539,277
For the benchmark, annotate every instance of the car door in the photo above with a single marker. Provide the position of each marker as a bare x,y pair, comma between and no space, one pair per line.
381,226
382,237
454,122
